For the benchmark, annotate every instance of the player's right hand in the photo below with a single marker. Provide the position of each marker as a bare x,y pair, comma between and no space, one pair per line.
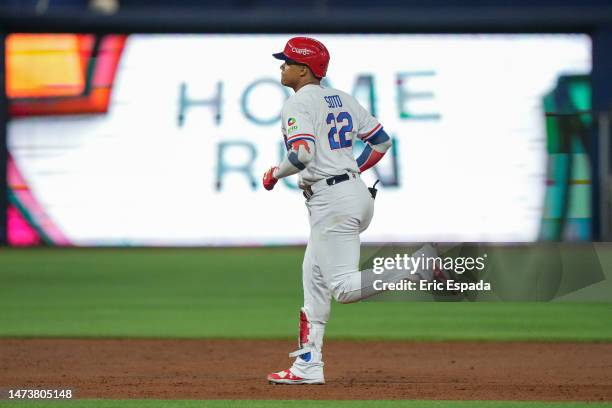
269,181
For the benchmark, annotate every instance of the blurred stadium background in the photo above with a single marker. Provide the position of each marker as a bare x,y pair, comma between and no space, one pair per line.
147,124
142,127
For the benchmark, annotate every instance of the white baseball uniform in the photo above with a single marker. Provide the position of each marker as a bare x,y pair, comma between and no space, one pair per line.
331,120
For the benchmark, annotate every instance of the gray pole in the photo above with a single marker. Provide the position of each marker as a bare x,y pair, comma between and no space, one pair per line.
3,148
604,175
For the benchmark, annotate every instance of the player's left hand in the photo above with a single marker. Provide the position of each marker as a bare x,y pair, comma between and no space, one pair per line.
269,181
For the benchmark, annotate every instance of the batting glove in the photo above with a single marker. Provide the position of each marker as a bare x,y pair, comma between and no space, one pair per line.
269,181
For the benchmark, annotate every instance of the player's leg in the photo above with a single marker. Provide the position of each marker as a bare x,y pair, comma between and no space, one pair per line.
337,247
339,250
349,284
313,318
308,365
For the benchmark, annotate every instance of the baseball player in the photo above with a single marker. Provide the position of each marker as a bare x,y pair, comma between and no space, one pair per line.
320,126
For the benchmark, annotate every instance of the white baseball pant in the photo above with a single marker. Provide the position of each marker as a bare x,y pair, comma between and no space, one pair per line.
337,215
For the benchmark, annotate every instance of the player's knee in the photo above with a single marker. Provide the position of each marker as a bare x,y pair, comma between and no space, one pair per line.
343,296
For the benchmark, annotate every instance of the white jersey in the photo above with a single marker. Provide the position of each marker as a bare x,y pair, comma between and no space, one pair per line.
331,119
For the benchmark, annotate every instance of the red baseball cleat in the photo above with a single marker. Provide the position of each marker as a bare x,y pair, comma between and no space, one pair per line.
287,377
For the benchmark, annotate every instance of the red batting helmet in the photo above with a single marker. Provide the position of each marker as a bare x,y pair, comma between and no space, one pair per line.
306,51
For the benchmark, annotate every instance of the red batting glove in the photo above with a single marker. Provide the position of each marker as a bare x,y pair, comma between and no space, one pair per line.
269,181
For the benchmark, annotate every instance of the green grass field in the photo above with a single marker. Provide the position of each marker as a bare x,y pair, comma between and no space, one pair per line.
248,293
242,293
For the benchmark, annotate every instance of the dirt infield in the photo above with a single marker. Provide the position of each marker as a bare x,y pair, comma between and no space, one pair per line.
236,369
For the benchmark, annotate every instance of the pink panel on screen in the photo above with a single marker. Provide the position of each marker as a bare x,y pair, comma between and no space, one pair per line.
108,60
20,189
19,231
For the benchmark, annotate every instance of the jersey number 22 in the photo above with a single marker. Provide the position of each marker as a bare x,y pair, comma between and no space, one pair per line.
342,141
